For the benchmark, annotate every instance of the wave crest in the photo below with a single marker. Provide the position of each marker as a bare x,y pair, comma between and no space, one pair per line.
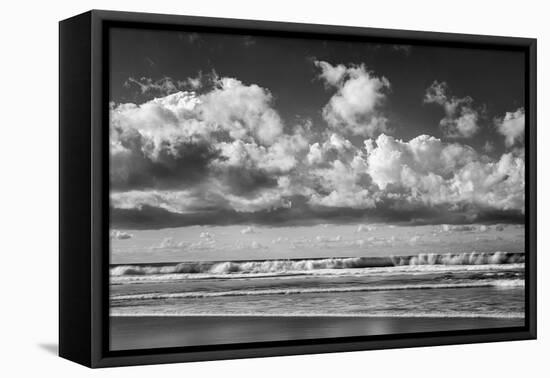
289,266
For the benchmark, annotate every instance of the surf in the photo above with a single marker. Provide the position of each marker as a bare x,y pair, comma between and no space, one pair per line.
293,291
289,266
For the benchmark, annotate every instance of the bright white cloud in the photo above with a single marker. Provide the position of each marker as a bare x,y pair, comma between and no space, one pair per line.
242,110
141,134
173,142
332,75
338,169
461,119
169,243
343,184
463,228
325,239
335,146
227,149
392,161
281,157
206,235
512,126
498,185
355,107
365,228
428,171
120,235
249,230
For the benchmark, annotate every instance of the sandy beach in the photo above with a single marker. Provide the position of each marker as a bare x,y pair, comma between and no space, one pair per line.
156,332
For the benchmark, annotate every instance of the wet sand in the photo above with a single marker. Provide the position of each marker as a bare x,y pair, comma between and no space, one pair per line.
158,332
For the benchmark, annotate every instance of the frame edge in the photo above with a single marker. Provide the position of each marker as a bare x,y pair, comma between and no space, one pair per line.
98,359
74,195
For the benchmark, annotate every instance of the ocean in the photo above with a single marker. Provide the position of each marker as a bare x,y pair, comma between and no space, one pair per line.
468,285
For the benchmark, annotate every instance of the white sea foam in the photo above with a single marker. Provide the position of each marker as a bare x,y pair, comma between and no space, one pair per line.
371,272
288,266
345,289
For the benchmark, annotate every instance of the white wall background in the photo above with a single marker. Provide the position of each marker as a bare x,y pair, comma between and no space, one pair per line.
28,187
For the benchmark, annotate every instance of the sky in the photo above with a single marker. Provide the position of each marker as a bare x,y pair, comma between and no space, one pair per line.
220,129
242,242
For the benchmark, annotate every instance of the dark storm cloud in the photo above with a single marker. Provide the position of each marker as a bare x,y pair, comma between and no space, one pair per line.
303,214
243,182
174,165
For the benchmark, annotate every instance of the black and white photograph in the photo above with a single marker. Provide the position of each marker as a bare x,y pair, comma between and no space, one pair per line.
264,188
244,189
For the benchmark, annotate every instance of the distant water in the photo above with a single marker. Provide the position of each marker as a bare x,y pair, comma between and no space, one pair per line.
468,285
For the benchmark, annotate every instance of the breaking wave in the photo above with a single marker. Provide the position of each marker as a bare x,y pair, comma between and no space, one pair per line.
265,267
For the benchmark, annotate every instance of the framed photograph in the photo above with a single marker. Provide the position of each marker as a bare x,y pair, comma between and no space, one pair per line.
234,188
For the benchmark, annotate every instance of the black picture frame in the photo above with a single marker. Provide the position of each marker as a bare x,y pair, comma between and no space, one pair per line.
84,192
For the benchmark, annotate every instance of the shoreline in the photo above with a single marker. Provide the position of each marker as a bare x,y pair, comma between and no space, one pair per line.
143,332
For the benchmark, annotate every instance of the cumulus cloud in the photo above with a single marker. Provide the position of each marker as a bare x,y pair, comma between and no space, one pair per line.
340,185
257,245
250,165
392,161
249,230
426,170
244,111
250,245
338,171
168,243
203,244
173,142
332,75
461,119
206,235
463,228
279,239
120,235
326,239
365,228
512,126
231,108
227,155
355,107
415,239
